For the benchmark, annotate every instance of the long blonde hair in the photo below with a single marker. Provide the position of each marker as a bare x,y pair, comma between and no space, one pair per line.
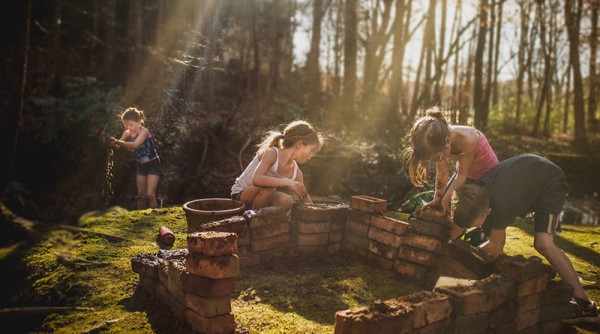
294,132
427,136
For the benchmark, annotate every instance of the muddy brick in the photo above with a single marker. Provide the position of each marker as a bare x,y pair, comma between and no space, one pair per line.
275,242
380,261
215,267
435,328
368,203
471,257
409,269
557,292
235,224
381,249
313,227
430,307
518,267
222,324
432,215
452,267
418,256
551,312
429,244
270,230
356,241
208,307
357,228
389,224
527,319
314,212
212,243
145,265
385,237
436,230
529,302
473,323
379,317
503,315
532,285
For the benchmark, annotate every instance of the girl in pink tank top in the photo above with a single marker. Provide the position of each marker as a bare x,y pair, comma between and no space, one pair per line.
433,139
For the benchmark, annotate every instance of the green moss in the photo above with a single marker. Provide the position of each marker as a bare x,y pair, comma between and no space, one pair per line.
283,296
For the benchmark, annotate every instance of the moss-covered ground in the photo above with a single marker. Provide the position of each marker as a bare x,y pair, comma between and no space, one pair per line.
92,270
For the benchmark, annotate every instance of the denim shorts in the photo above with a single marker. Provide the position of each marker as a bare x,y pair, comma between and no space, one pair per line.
151,167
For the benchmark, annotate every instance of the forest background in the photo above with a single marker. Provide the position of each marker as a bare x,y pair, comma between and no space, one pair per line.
213,76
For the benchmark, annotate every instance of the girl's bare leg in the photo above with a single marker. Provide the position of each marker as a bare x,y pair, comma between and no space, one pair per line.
141,191
151,184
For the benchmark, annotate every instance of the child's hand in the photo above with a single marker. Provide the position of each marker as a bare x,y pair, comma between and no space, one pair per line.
112,142
299,189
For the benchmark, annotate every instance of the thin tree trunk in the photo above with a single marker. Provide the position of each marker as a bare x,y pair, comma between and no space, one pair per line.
490,57
573,19
593,75
567,101
521,58
481,111
312,59
110,27
350,59
497,55
396,83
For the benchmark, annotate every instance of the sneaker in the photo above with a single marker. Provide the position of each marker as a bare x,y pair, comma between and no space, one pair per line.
582,313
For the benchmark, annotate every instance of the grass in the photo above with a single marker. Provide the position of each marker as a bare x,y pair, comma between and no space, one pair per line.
291,295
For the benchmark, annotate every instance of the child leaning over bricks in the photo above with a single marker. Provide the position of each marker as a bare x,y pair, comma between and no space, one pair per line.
519,185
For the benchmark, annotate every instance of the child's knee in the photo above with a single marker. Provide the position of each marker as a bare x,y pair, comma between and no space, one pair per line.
285,201
543,246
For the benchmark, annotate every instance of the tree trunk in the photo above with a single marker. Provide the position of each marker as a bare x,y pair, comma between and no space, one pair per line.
421,97
350,58
567,101
497,55
594,80
396,83
439,61
110,27
481,110
312,59
573,10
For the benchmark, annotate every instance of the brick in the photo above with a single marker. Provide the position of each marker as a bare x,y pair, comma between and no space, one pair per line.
380,261
243,239
557,292
314,212
430,307
381,249
163,273
313,227
436,230
334,248
532,285
507,328
418,256
258,221
529,302
176,307
312,249
411,270
498,288
390,224
279,241
149,284
368,204
471,257
507,313
335,237
270,230
242,251
206,287
161,293
385,237
208,307
275,253
313,239
473,323
359,216
466,301
356,241
145,265
235,224
527,319
357,228
423,242
435,328
449,281
379,317
215,267
212,243
518,267
453,267
222,324
551,312
432,215
555,326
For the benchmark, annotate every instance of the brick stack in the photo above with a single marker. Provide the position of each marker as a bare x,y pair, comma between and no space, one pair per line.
424,244
196,282
465,261
370,234
319,227
270,235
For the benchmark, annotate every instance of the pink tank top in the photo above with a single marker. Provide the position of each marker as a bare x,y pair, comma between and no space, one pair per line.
484,158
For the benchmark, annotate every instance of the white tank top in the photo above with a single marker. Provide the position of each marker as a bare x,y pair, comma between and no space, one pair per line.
245,180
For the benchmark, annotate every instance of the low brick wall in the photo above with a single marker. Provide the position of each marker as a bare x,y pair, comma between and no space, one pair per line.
513,294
